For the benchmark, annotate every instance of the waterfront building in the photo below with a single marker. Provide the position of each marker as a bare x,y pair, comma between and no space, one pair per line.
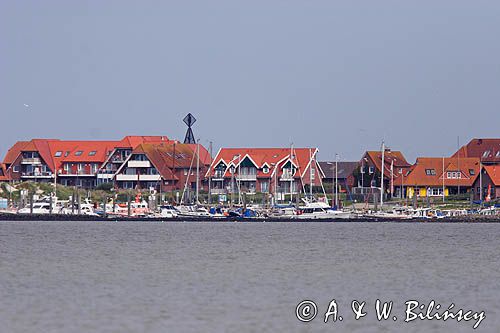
70,163
166,166
490,183
368,173
344,173
275,171
487,150
433,176
120,154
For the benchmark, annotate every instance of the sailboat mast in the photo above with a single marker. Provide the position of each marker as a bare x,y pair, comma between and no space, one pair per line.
291,172
336,182
310,175
382,177
197,173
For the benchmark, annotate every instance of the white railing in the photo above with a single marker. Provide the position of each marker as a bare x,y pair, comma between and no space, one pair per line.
36,174
139,164
246,177
33,160
137,178
218,191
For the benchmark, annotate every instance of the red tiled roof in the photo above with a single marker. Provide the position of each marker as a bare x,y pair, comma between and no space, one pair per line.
14,152
488,150
69,151
269,156
132,141
494,173
162,156
390,156
91,151
419,177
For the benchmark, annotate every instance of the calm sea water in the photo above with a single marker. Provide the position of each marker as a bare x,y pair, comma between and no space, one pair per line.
241,277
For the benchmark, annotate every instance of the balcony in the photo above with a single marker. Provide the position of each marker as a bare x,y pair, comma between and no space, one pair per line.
32,161
36,174
142,178
105,175
218,191
286,177
75,173
139,164
247,177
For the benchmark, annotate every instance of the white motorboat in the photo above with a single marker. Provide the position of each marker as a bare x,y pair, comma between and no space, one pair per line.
168,211
192,211
320,210
38,208
86,208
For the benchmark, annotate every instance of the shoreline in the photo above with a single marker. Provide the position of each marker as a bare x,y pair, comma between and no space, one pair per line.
83,218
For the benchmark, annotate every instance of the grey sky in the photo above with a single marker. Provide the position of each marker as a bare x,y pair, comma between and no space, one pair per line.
340,75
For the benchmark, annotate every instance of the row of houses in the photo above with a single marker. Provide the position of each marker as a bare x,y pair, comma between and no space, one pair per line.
157,162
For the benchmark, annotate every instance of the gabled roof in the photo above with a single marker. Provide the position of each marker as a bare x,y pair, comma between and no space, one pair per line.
488,150
493,172
344,169
420,177
69,151
91,151
390,156
165,156
269,156
14,152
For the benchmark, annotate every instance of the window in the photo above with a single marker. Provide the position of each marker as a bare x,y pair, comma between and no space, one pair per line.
58,154
498,154
78,153
486,153
185,172
436,191
472,172
66,167
93,168
92,153
453,175
362,169
265,169
430,172
80,166
264,186
66,154
371,169
16,168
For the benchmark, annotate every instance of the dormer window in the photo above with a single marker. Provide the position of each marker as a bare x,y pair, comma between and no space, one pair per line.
430,172
66,154
265,169
472,172
58,154
453,175
78,153
486,153
92,153
498,154
371,170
